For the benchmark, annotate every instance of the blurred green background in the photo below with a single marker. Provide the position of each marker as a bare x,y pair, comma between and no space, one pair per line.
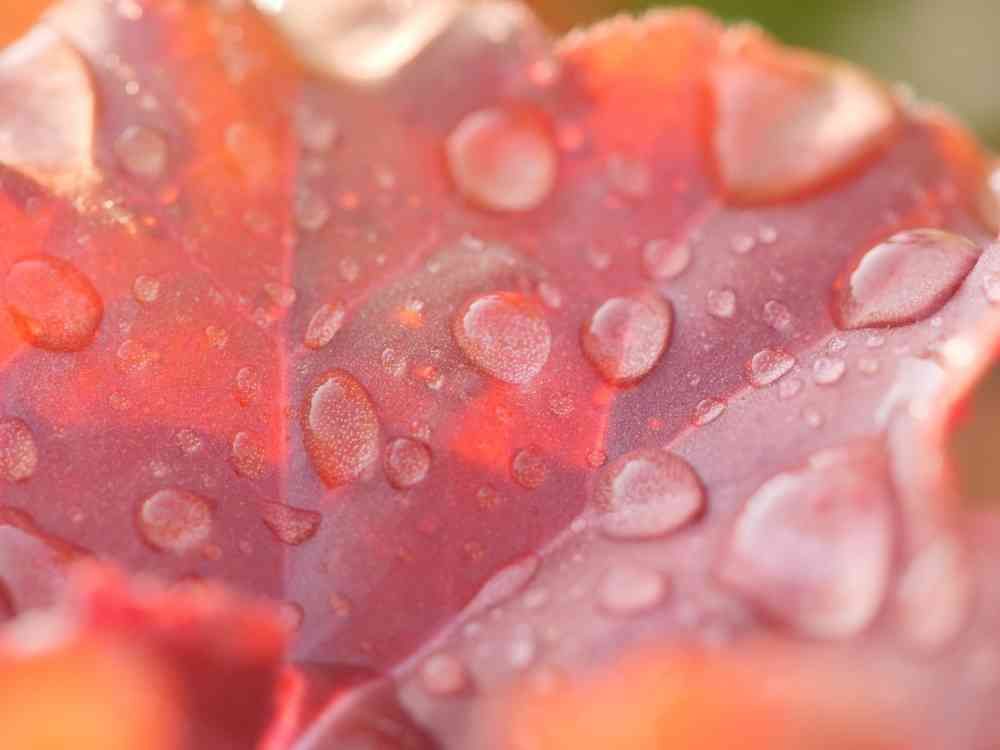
947,50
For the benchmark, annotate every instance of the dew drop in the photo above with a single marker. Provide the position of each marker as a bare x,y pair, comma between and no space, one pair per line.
504,585
443,674
777,315
647,494
505,334
248,385
721,303
142,152
991,287
627,590
907,278
868,365
529,468
18,452
292,526
813,546
175,521
626,336
503,160
768,366
340,428
707,411
54,306
281,294
523,647
146,289
789,388
248,456
663,260
324,325
407,462
828,370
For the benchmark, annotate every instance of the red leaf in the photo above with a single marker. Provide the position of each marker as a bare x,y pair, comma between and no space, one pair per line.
489,359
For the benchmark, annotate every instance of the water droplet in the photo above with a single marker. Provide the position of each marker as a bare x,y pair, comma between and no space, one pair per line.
281,294
394,363
217,337
646,494
523,647
324,325
504,585
874,340
503,160
777,315
175,521
18,452
629,177
189,441
134,357
812,417
550,295
836,344
991,286
767,98
248,385
868,365
828,370
248,456
340,428
627,590
443,674
721,302
292,526
142,152
596,458
626,336
789,388
769,365
407,462
707,411
813,546
505,334
529,468
907,278
663,259
312,211
742,244
54,306
146,289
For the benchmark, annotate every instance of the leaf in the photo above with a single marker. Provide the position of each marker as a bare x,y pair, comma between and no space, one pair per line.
497,359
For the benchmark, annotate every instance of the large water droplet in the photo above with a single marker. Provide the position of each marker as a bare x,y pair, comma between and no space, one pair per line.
324,325
814,546
626,336
54,306
175,521
505,334
290,525
907,278
18,452
341,428
768,366
407,462
504,160
142,152
647,494
629,590
248,456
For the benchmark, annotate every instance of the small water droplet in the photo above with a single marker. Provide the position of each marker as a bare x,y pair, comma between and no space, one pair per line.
292,526
134,357
324,325
812,417
281,294
627,590
248,385
874,340
529,468
142,152
991,286
629,177
742,244
503,160
663,259
777,315
175,521
312,211
340,428
217,337
443,674
18,452
828,370
907,278
721,303
789,388
813,546
836,344
550,295
646,494
248,456
768,366
146,289
505,334
626,336
707,411
394,363
868,365
407,462
189,441
54,306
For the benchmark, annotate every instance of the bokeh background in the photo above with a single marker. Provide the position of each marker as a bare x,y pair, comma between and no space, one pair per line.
945,50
